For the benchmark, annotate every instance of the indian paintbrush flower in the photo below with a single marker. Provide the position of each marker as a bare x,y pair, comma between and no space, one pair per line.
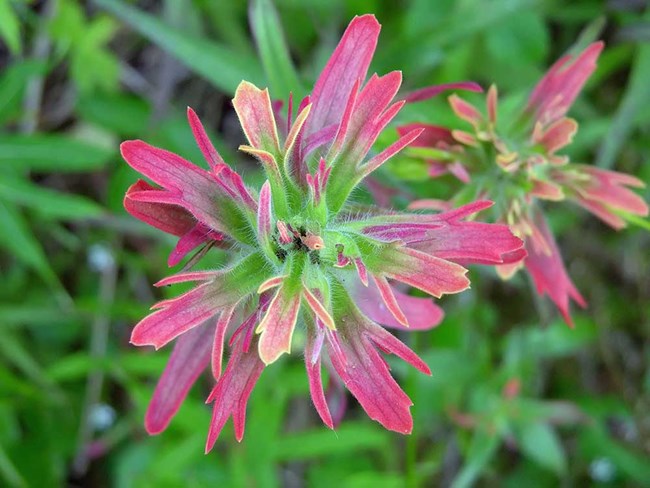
301,252
517,164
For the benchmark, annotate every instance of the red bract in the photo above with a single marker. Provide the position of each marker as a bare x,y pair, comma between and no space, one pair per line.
529,168
302,256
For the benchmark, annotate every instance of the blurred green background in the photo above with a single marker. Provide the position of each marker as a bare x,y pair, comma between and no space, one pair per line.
516,397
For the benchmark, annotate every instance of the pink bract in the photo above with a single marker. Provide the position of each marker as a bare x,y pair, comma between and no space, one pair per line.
525,166
301,257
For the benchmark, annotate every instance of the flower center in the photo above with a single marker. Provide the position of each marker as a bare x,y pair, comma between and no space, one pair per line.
296,239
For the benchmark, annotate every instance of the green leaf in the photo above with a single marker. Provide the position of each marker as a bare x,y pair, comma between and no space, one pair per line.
33,313
84,40
19,241
540,443
216,62
120,113
12,84
73,367
8,471
225,19
12,385
10,27
51,153
481,450
523,42
48,203
555,341
273,50
628,115
14,352
348,438
635,220
597,442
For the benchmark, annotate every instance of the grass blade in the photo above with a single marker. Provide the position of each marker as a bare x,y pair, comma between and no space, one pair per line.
273,50
219,64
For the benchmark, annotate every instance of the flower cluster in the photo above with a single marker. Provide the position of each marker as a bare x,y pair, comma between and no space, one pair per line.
301,252
516,163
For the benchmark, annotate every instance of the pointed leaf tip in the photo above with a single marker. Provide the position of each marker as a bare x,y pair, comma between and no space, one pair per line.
277,325
255,112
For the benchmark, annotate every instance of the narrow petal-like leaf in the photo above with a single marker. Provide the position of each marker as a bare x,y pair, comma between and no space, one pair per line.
219,335
349,62
253,107
189,359
264,213
271,283
183,313
231,393
172,219
421,313
390,151
313,367
194,188
386,293
432,91
549,274
210,154
199,234
318,308
430,274
276,327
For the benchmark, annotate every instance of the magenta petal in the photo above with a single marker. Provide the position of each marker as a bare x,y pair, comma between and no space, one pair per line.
169,218
181,314
459,171
199,234
548,272
345,120
434,90
390,151
430,274
349,62
431,135
190,357
320,311
194,188
558,134
264,213
210,154
371,114
313,366
277,325
361,270
470,242
219,335
318,139
607,190
253,107
557,90
389,343
467,112
189,276
421,313
388,297
464,211
366,374
232,391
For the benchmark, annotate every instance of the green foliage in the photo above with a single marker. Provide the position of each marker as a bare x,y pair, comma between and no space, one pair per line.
273,50
221,65
516,398
10,27
84,41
